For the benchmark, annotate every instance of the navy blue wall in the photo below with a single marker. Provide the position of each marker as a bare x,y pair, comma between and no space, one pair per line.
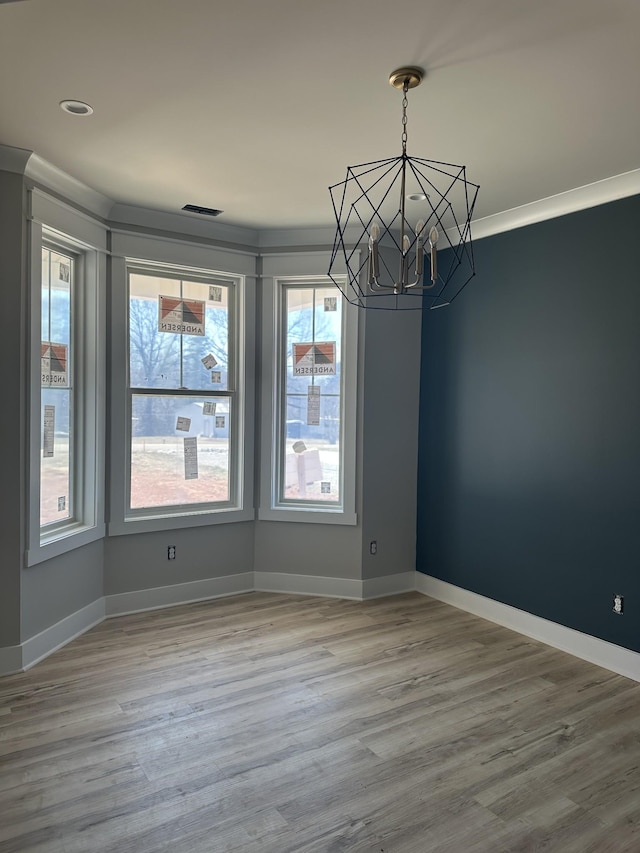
529,469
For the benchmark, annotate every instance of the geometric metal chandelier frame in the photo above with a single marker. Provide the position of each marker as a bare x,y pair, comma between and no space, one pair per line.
403,211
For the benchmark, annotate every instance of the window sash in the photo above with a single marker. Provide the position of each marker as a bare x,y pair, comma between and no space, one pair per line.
62,352
284,344
207,279
73,487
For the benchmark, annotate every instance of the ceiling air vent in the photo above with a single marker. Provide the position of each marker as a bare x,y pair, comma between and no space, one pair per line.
205,211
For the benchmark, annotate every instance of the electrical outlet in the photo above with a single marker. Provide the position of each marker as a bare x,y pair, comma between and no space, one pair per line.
373,547
171,552
618,604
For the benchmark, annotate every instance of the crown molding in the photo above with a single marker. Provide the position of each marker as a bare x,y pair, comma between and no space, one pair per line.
562,204
14,159
187,224
274,240
52,178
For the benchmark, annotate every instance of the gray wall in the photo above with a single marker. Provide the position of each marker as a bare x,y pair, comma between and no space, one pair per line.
139,561
387,446
530,424
41,595
61,586
391,394
13,433
325,550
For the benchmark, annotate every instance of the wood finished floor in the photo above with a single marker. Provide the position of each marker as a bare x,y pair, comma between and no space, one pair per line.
268,723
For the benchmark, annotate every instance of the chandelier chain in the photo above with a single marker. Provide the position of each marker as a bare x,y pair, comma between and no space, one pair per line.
405,103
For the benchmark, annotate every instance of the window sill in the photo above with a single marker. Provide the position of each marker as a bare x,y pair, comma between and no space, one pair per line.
308,515
152,523
63,541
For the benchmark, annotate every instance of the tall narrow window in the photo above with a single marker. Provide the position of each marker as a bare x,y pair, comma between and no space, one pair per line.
66,372
183,393
58,484
309,352
310,470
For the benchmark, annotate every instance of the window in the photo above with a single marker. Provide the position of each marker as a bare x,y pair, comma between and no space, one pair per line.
312,432
309,434
66,483
184,410
57,351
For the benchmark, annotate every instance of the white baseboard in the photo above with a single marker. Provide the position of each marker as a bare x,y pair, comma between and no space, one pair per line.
608,655
389,585
19,658
180,593
358,590
600,652
307,585
58,635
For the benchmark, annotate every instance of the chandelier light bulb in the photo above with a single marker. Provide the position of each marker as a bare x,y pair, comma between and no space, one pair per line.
405,244
419,250
373,270
433,239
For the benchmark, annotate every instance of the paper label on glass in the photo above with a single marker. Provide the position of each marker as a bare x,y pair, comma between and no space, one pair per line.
330,303
302,469
62,504
209,361
216,377
65,272
325,488
215,293
183,424
314,359
313,405
54,361
299,447
181,316
209,408
220,421
48,431
190,458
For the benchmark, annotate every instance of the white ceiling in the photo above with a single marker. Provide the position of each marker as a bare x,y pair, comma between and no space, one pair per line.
257,106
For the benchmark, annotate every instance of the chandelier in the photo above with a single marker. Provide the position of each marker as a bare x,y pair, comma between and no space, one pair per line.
394,217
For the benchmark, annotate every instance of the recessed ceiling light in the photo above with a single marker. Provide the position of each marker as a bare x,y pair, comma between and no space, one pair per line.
76,108
418,197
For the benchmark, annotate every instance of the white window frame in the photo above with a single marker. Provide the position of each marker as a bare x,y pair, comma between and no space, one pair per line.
152,254
278,272
62,228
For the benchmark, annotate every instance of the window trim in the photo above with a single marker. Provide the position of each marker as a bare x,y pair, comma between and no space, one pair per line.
203,264
271,509
84,239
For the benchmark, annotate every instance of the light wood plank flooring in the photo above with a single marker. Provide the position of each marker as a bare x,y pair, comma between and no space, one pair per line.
282,723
